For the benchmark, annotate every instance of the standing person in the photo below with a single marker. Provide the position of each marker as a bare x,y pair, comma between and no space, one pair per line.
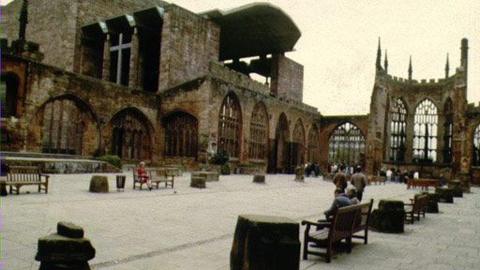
389,175
359,181
340,180
143,176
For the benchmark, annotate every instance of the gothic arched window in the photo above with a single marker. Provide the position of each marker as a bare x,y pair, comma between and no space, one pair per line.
346,144
313,144
425,132
448,132
130,135
63,127
476,147
258,132
398,129
181,135
230,126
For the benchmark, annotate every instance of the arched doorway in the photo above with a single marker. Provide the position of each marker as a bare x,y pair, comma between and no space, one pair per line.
281,161
298,144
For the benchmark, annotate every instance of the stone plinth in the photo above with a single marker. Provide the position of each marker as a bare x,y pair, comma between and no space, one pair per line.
456,185
432,206
299,174
265,243
99,184
66,249
445,195
208,175
260,179
389,217
198,182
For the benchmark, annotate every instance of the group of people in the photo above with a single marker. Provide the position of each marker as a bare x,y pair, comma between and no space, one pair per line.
312,169
346,194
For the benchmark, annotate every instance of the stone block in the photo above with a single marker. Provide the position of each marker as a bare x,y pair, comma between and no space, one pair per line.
432,206
389,217
99,184
299,174
259,179
69,230
198,182
456,185
58,248
265,243
445,195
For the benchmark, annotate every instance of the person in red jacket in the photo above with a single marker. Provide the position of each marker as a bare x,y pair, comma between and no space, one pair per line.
143,176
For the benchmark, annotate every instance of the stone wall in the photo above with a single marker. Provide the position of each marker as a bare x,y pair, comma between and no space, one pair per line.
189,43
55,25
287,78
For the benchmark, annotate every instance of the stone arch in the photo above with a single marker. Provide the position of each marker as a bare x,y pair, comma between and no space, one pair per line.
181,134
131,135
67,125
298,143
258,132
281,161
313,141
230,126
346,145
9,91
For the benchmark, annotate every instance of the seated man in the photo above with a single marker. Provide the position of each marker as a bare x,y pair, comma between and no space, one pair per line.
352,194
340,200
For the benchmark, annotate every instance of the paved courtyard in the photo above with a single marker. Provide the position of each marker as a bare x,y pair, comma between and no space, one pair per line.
190,228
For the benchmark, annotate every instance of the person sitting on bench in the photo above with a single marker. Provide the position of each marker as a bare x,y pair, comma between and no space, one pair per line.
143,176
340,200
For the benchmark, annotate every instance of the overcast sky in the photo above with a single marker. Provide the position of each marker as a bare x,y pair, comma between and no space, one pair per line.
339,42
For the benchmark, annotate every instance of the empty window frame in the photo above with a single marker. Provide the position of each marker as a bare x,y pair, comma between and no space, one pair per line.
398,127
425,132
230,126
258,132
346,144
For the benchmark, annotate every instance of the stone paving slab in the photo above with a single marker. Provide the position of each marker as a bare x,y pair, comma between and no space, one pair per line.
187,228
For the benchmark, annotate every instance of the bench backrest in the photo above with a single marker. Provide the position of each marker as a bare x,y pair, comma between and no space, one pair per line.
23,174
342,223
363,219
419,202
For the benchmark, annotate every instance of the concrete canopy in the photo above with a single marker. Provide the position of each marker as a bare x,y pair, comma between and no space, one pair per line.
254,29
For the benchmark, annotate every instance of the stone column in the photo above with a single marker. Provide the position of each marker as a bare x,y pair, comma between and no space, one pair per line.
106,58
134,57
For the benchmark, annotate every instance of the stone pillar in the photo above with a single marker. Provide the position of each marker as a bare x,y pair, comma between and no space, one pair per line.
134,60
66,249
106,58
265,243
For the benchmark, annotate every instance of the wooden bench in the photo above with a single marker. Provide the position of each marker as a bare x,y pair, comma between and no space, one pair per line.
376,179
330,232
363,221
417,207
18,176
423,183
157,176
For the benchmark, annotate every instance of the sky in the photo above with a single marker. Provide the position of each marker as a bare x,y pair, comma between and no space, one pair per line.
339,43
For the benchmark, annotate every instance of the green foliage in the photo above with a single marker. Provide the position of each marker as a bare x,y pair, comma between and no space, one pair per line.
111,159
220,158
225,169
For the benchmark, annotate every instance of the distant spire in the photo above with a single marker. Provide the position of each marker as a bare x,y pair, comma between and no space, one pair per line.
379,55
385,63
410,69
447,67
23,19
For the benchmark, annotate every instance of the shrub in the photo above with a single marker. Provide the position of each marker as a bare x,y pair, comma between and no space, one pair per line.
111,159
219,158
225,169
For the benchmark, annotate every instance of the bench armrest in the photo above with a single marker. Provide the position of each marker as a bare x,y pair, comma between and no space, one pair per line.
44,175
321,224
408,204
